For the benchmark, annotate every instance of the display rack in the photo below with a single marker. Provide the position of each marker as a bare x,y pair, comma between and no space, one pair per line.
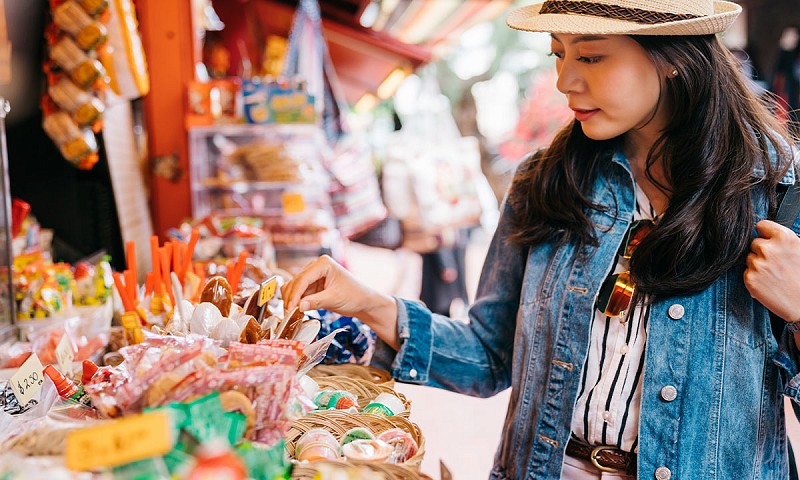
7,301
297,213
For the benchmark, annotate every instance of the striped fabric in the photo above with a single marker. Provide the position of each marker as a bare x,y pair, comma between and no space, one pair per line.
610,393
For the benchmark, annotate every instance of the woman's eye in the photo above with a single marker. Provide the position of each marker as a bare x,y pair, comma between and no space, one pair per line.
589,60
555,54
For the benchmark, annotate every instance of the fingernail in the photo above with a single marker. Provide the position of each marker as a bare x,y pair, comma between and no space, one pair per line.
304,306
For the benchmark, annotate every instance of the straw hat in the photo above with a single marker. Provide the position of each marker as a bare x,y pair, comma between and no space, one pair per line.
626,17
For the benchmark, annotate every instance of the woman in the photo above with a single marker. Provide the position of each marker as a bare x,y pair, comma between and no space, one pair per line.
625,297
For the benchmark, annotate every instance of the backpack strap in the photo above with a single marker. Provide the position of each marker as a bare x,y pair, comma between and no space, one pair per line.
789,207
788,211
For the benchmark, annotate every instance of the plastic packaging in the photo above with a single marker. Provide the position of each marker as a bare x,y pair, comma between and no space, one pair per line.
357,433
367,450
317,444
85,108
385,404
89,369
66,388
94,7
336,399
403,444
88,33
78,147
82,69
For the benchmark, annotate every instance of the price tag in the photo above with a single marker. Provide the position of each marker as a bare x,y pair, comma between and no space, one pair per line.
293,203
119,442
65,355
28,380
267,291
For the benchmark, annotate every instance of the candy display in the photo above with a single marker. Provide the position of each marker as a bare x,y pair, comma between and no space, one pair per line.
204,378
354,343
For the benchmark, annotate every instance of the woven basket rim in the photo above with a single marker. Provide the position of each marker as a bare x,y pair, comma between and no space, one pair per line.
338,422
352,370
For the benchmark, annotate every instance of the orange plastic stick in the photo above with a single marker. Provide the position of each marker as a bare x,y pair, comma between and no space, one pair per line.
187,257
165,280
148,284
238,268
177,260
123,294
130,258
180,268
155,259
132,286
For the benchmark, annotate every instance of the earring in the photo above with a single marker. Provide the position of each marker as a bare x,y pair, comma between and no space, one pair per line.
675,72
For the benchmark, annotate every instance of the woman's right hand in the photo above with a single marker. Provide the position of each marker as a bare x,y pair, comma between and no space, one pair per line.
325,284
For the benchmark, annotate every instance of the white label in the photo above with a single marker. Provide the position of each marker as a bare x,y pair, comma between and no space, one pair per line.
65,355
28,380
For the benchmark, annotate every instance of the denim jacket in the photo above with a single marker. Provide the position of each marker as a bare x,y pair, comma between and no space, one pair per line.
529,329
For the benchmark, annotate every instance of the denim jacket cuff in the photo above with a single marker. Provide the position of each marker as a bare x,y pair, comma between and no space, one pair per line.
412,362
788,359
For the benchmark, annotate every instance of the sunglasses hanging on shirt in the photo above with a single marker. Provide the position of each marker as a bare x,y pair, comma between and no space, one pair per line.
617,291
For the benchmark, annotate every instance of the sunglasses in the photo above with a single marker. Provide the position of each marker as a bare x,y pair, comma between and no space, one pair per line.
617,291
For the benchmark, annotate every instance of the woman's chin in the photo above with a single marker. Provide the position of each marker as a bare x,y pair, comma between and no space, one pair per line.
599,132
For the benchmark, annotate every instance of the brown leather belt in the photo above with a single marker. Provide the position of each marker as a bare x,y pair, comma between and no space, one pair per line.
604,457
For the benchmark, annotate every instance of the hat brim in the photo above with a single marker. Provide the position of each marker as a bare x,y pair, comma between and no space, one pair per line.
528,19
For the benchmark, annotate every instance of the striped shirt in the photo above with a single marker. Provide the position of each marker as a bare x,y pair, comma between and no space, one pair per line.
610,392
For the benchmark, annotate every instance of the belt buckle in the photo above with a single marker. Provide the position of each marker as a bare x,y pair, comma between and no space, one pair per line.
602,468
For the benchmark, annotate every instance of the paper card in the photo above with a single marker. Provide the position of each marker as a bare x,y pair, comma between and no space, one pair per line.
293,203
28,380
268,289
65,355
119,442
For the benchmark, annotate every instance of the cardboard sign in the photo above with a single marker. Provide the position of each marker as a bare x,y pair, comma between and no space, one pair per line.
65,355
268,289
293,203
119,442
28,380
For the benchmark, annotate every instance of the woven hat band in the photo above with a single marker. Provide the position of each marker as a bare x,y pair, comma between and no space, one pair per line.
616,12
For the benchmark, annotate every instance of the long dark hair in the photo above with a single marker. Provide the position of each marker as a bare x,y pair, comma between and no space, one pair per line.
716,133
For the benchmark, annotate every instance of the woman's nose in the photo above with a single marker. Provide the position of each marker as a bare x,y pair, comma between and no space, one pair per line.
569,81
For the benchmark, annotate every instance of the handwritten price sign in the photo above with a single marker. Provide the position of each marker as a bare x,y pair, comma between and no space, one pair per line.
28,380
119,442
65,355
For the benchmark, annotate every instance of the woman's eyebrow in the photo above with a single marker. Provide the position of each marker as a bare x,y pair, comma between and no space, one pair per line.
580,38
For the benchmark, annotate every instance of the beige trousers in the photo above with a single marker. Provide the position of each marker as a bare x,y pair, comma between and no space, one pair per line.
576,469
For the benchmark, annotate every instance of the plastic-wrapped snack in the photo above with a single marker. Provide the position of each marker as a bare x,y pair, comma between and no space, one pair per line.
403,444
354,344
263,353
9,402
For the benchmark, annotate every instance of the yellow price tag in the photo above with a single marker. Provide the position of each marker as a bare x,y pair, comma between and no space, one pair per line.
293,203
267,291
28,380
119,442
65,355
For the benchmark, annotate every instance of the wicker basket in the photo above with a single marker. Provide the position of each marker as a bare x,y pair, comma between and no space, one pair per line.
308,471
365,390
338,423
375,375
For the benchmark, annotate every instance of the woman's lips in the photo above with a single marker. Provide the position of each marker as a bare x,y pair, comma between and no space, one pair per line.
584,115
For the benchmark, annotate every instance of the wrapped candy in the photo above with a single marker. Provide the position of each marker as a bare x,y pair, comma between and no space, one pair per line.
71,18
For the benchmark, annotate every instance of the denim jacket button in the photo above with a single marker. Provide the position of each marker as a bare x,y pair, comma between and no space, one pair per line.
663,473
412,373
669,393
676,311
